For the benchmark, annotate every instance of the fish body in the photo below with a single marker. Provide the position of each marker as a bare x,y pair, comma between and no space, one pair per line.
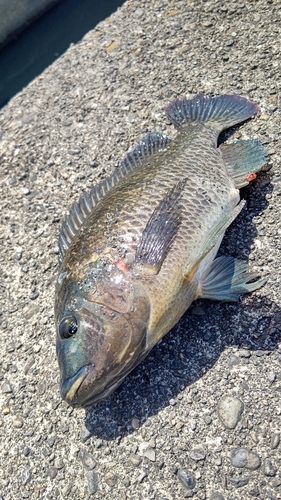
140,248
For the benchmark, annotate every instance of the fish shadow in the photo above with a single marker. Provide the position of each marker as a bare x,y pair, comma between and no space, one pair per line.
194,345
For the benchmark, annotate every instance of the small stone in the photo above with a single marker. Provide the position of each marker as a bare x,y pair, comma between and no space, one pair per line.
254,491
98,443
216,495
141,477
26,451
253,460
59,463
275,440
36,492
85,433
87,459
26,477
52,472
93,482
238,457
271,377
34,296
264,117
197,454
186,479
238,482
6,411
230,410
6,388
18,422
135,460
111,479
268,468
135,423
150,454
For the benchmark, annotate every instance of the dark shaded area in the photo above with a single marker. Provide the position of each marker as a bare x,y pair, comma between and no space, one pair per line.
46,39
194,345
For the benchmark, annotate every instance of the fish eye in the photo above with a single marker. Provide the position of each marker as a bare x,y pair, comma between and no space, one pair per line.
68,327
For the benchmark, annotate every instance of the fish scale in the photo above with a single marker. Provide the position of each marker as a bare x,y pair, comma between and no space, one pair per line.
141,246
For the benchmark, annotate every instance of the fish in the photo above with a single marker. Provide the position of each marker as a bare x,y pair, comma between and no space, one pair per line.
137,249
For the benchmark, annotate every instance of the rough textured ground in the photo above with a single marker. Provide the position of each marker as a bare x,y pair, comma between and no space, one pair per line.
200,417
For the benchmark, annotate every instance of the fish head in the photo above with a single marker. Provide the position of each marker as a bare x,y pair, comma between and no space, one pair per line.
101,319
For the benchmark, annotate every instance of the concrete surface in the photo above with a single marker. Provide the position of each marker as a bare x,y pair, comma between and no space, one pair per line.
200,417
14,14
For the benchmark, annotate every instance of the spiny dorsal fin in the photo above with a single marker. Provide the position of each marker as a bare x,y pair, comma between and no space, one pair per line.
151,144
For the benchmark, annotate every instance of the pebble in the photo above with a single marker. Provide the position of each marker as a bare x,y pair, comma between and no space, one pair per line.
241,457
85,433
238,457
26,451
216,495
238,482
141,477
150,454
230,410
111,479
135,460
197,454
18,422
93,482
135,423
52,472
87,459
26,477
275,440
268,468
6,388
186,479
59,463
6,411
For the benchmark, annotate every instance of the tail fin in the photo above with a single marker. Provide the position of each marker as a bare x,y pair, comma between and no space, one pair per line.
220,112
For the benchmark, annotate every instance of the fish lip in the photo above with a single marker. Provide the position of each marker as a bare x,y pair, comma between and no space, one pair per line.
70,386
91,400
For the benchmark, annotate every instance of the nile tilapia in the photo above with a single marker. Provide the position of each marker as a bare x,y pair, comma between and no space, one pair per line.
141,246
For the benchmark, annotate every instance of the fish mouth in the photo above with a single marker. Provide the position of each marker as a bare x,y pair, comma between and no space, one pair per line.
74,389
70,386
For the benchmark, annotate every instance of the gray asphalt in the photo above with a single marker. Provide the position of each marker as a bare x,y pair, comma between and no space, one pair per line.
200,417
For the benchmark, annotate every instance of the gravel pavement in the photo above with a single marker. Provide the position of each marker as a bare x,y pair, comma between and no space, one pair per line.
200,417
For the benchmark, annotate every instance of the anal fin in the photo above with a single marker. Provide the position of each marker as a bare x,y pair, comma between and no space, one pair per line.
242,159
227,279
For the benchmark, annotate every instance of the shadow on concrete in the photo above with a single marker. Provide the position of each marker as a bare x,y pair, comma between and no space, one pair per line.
194,345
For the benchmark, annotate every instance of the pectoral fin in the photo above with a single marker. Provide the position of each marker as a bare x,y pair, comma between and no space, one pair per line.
227,279
160,231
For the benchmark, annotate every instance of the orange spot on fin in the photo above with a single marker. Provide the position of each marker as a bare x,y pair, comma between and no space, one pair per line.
121,265
251,177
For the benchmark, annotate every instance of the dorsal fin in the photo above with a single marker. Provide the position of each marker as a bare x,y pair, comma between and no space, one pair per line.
151,144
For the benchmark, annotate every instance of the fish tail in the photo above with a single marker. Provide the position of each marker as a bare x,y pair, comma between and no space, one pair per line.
219,112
